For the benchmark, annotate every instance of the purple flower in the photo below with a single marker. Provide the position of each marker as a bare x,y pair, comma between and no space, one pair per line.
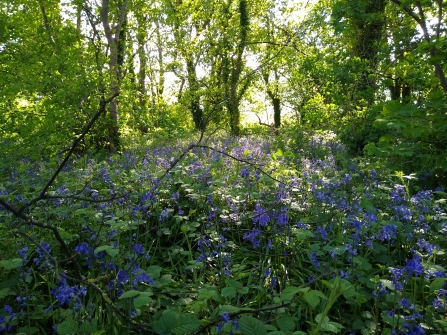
225,317
23,253
138,248
409,329
245,173
414,266
313,257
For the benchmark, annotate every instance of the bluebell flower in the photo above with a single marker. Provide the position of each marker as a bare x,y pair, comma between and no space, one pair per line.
164,215
410,329
313,257
261,216
138,248
414,266
283,218
42,260
225,317
245,173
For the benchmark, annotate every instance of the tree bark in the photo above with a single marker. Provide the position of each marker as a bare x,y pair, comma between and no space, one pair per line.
113,43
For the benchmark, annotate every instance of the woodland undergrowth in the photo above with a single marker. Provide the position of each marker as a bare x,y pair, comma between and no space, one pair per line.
226,235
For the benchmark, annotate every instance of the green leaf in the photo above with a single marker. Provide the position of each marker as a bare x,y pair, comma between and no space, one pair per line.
69,326
313,298
251,326
5,292
288,293
166,323
88,327
362,262
330,327
99,332
319,319
10,264
129,294
188,323
279,153
102,248
113,252
303,234
154,271
141,300
386,138
229,292
437,284
28,330
285,323
228,309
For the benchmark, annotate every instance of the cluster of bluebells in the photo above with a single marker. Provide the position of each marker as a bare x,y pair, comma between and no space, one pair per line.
66,294
233,325
43,261
7,319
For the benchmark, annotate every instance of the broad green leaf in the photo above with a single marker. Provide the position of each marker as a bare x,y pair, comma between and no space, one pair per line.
319,319
166,323
28,330
285,323
312,299
113,252
187,324
5,292
437,284
303,234
229,292
129,294
251,326
288,293
154,271
10,264
102,248
88,327
99,332
330,327
141,300
68,326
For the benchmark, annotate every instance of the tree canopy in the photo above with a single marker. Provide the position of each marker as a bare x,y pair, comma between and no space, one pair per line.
373,71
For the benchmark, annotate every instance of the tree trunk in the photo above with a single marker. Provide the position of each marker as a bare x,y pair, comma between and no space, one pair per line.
113,43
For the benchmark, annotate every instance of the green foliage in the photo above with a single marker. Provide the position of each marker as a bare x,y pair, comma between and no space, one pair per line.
414,131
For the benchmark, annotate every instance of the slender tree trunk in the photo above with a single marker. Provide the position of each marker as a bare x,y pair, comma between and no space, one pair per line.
234,95
194,104
113,42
